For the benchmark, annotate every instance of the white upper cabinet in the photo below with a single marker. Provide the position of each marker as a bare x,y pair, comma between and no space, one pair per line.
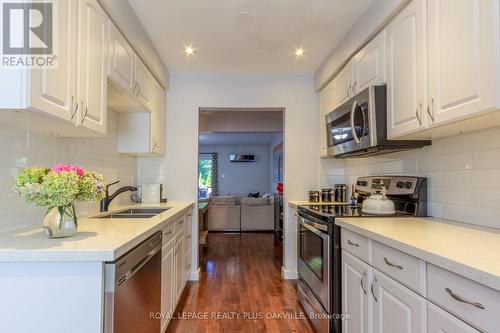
463,57
406,79
356,296
396,308
92,66
145,84
121,70
326,105
343,83
369,64
158,118
53,91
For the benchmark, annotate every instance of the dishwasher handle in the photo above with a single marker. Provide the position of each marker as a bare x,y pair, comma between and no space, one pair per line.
136,268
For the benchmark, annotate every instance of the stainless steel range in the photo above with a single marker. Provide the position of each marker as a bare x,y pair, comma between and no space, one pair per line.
318,265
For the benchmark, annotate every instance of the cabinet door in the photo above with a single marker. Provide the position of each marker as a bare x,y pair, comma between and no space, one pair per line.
326,103
121,64
179,266
463,58
369,64
53,91
158,122
167,283
356,299
396,308
343,85
406,79
145,84
92,65
440,321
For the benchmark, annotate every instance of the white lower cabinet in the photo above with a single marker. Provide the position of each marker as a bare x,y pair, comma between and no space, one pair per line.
378,303
396,308
356,298
440,321
167,279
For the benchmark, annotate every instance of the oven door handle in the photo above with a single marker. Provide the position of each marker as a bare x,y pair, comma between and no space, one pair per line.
318,310
311,228
353,127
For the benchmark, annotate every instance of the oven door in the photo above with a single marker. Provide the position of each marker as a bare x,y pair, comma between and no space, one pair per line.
314,255
348,127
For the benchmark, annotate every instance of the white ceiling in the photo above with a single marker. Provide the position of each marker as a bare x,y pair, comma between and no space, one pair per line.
264,45
237,138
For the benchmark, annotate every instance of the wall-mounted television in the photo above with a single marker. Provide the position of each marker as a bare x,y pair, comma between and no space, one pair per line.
241,158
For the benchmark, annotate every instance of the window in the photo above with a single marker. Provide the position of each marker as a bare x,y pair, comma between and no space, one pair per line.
205,176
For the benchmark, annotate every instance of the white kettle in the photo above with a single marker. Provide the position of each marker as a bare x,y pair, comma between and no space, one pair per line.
379,204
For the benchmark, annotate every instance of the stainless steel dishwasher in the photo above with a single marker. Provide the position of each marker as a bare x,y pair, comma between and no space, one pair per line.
133,289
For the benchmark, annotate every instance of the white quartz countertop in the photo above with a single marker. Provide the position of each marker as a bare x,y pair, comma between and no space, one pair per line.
96,240
472,252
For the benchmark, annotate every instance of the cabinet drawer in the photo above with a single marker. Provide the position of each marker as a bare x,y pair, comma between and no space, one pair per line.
403,267
439,321
356,244
468,300
168,232
180,222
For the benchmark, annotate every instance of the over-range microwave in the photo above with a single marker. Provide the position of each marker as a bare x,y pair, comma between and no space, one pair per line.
358,128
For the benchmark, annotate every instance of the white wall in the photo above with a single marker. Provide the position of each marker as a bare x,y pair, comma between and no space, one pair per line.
21,148
463,173
189,92
241,178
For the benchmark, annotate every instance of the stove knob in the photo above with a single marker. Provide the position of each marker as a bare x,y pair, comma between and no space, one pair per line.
364,183
408,185
400,184
359,183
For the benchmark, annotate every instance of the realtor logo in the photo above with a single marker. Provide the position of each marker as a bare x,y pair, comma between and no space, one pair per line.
28,34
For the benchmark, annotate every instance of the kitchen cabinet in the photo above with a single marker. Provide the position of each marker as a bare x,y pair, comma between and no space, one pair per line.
395,307
167,285
343,83
92,66
326,102
145,84
463,53
141,133
69,100
356,300
369,64
121,67
406,79
179,265
439,321
53,91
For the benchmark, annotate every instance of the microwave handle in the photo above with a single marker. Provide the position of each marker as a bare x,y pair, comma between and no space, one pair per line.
353,128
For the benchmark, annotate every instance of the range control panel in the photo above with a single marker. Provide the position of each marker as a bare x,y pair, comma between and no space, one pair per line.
395,185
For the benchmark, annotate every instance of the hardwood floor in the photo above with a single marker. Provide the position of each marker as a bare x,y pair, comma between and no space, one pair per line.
240,290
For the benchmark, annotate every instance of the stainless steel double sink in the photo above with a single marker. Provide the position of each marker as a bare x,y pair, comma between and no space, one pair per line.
135,213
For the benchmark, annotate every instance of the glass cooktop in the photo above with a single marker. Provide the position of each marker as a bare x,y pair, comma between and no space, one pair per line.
329,212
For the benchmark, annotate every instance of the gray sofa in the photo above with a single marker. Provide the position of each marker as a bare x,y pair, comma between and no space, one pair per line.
232,213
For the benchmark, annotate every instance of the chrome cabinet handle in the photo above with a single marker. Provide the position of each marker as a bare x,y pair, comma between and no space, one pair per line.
188,237
348,88
391,264
429,108
362,286
188,266
354,87
180,222
371,288
168,233
463,300
134,91
418,115
139,90
351,243
73,114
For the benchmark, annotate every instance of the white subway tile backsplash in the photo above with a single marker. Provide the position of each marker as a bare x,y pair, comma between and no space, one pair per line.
463,175
21,148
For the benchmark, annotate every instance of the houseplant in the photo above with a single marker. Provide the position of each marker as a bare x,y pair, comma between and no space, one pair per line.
58,189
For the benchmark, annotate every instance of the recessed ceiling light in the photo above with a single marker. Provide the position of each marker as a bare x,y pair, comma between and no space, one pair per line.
189,50
299,52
